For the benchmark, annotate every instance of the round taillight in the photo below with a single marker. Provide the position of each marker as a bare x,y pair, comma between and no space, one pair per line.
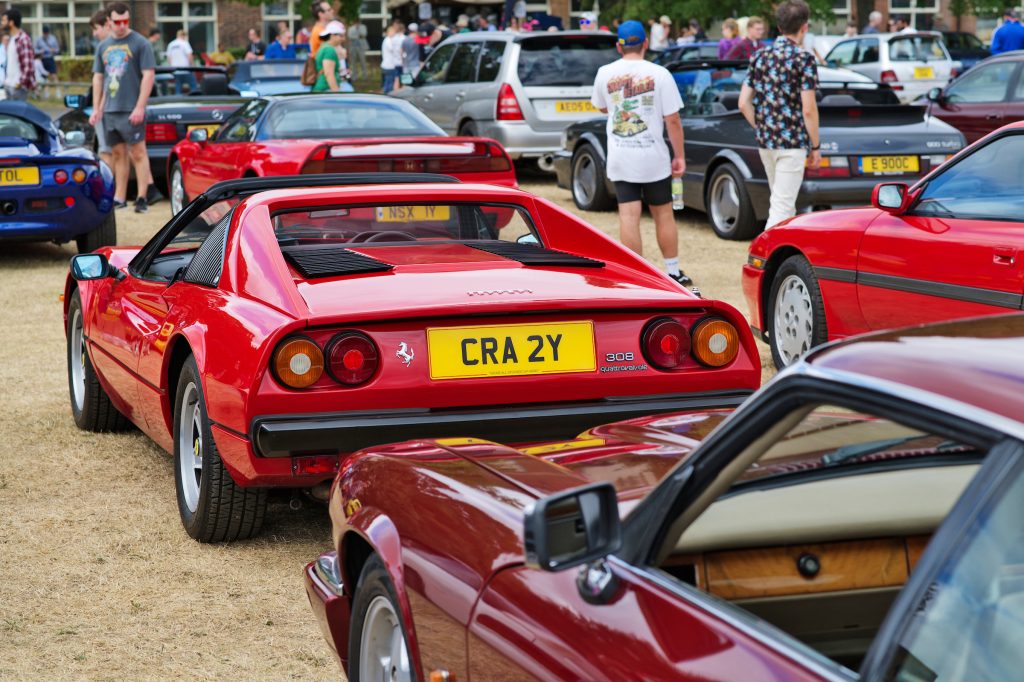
715,342
352,358
666,344
298,362
60,176
78,175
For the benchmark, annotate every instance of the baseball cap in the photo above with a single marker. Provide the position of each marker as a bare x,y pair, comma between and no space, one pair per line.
333,28
588,18
631,33
664,19
414,27
1012,13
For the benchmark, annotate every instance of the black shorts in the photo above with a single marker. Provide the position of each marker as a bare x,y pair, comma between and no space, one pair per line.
651,193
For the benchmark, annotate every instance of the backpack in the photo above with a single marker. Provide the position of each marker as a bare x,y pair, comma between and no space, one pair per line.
309,71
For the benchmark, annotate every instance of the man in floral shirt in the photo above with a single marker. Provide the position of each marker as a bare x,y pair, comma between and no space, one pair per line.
778,100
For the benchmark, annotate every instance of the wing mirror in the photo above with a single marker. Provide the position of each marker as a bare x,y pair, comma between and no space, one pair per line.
89,266
571,528
890,197
74,101
405,79
199,135
935,95
530,239
74,138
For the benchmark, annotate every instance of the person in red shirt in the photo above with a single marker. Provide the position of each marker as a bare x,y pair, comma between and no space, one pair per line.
744,48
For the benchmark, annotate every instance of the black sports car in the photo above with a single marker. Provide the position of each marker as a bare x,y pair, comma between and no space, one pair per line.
169,117
866,136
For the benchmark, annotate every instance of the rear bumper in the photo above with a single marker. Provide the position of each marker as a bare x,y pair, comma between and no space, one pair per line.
753,281
158,155
838,192
329,603
283,436
563,168
520,140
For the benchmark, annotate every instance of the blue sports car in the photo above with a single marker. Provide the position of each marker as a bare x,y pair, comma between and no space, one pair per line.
51,190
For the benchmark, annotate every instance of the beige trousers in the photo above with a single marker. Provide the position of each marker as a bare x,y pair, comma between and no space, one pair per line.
785,169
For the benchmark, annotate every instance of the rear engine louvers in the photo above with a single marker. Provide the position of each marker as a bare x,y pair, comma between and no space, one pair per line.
536,255
330,261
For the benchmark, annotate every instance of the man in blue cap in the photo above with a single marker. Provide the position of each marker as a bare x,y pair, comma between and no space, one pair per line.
642,101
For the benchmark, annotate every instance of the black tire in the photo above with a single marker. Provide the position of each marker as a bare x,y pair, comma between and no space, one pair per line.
373,582
728,205
91,407
104,235
802,312
177,202
223,510
589,190
468,129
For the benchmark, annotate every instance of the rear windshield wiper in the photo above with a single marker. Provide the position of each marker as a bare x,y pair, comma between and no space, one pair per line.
847,453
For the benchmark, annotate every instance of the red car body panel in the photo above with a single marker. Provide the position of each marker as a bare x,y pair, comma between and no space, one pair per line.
139,331
879,270
204,164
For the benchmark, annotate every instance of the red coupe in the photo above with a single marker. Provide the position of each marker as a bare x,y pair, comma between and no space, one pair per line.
949,247
862,512
328,133
278,323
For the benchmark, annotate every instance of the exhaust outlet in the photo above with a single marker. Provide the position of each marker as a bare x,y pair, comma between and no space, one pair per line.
547,163
8,207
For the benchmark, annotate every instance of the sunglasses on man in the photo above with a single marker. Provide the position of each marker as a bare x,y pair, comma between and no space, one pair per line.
120,22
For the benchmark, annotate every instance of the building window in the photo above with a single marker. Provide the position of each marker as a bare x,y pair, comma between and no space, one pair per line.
375,18
919,13
68,22
198,18
275,12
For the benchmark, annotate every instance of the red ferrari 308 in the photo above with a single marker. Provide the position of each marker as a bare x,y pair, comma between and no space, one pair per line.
278,323
328,133
949,247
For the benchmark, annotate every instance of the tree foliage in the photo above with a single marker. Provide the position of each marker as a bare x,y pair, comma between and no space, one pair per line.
706,11
345,9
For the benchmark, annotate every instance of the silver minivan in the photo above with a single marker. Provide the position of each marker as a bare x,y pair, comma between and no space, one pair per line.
521,89
910,63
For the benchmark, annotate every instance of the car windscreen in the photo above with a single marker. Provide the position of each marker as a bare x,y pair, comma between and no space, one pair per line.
710,91
12,126
564,59
404,223
916,49
275,69
340,117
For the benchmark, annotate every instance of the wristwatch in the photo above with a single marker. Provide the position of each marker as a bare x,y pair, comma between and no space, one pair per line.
816,147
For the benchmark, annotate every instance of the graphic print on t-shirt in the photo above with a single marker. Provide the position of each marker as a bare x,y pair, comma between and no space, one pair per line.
115,61
629,97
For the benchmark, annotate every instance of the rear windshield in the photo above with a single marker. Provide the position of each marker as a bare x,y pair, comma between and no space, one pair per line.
336,117
403,224
275,69
916,49
12,126
564,60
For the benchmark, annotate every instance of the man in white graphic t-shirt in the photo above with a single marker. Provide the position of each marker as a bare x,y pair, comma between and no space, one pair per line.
642,101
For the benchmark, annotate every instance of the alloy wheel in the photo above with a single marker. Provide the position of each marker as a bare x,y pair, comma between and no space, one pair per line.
177,191
382,652
584,179
77,360
794,319
190,446
725,203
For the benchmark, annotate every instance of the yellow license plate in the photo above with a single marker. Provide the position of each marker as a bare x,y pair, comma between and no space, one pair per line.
22,175
924,72
511,350
889,164
409,214
575,106
210,129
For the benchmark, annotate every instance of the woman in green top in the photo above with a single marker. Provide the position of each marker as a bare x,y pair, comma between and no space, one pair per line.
329,65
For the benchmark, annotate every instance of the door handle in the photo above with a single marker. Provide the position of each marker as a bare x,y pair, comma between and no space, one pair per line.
992,117
460,94
1004,256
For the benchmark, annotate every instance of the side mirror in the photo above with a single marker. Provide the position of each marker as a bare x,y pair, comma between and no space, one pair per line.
832,63
572,528
199,135
90,266
405,79
935,95
74,138
74,101
890,197
528,239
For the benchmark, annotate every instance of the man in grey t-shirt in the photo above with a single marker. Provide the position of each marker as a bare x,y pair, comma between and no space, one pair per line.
123,75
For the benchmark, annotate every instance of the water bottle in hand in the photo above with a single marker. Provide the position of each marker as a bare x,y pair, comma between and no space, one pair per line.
677,193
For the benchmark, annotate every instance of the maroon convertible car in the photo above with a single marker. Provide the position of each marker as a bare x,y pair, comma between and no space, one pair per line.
860,513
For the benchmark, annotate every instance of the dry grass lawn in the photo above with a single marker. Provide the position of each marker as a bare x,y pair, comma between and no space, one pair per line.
97,578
